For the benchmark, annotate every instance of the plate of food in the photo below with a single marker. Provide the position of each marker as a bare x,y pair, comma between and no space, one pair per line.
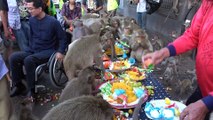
133,74
123,95
164,109
119,66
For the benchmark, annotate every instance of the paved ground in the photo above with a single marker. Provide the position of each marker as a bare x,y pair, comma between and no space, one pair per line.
44,100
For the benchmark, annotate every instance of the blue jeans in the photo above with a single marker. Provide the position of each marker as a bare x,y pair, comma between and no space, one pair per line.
30,61
142,19
23,35
21,39
26,29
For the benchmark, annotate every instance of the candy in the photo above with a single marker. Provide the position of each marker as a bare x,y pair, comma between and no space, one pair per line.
177,112
167,101
131,61
106,89
130,111
155,114
138,92
117,92
122,99
124,56
168,114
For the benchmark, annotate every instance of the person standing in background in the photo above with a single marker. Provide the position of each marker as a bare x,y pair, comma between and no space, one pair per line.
78,2
70,12
4,17
24,16
5,103
4,20
15,24
141,13
112,6
92,6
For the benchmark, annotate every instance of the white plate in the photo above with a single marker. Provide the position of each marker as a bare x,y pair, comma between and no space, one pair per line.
161,103
121,106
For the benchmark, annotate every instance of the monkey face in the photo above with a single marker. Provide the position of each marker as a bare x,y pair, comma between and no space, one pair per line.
138,42
88,74
115,24
127,31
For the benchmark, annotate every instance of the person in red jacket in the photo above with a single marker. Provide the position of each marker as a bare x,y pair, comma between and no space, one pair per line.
199,35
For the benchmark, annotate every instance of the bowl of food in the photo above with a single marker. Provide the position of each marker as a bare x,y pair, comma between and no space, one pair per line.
164,109
123,95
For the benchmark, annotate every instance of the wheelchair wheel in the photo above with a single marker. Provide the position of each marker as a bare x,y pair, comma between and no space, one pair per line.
58,77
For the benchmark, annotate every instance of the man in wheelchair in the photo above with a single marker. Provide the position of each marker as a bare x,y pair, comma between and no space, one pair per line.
47,37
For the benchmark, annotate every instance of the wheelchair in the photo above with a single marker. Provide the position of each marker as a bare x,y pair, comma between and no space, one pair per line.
57,75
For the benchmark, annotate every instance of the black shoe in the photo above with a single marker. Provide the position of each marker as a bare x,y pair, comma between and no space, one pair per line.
28,94
17,90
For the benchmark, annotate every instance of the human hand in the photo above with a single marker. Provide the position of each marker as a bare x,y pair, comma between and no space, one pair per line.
69,22
93,11
157,56
195,111
59,56
7,34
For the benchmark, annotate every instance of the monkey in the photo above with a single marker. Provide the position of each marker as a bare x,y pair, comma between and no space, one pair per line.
81,108
94,24
108,40
81,85
80,30
114,22
138,54
187,87
139,44
26,111
83,53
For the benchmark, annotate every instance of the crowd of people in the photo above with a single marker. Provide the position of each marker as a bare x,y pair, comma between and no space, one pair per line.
39,35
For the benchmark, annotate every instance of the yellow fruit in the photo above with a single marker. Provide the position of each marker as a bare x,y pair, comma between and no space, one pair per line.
167,101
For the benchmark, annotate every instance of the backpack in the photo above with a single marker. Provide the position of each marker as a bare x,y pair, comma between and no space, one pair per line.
152,5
